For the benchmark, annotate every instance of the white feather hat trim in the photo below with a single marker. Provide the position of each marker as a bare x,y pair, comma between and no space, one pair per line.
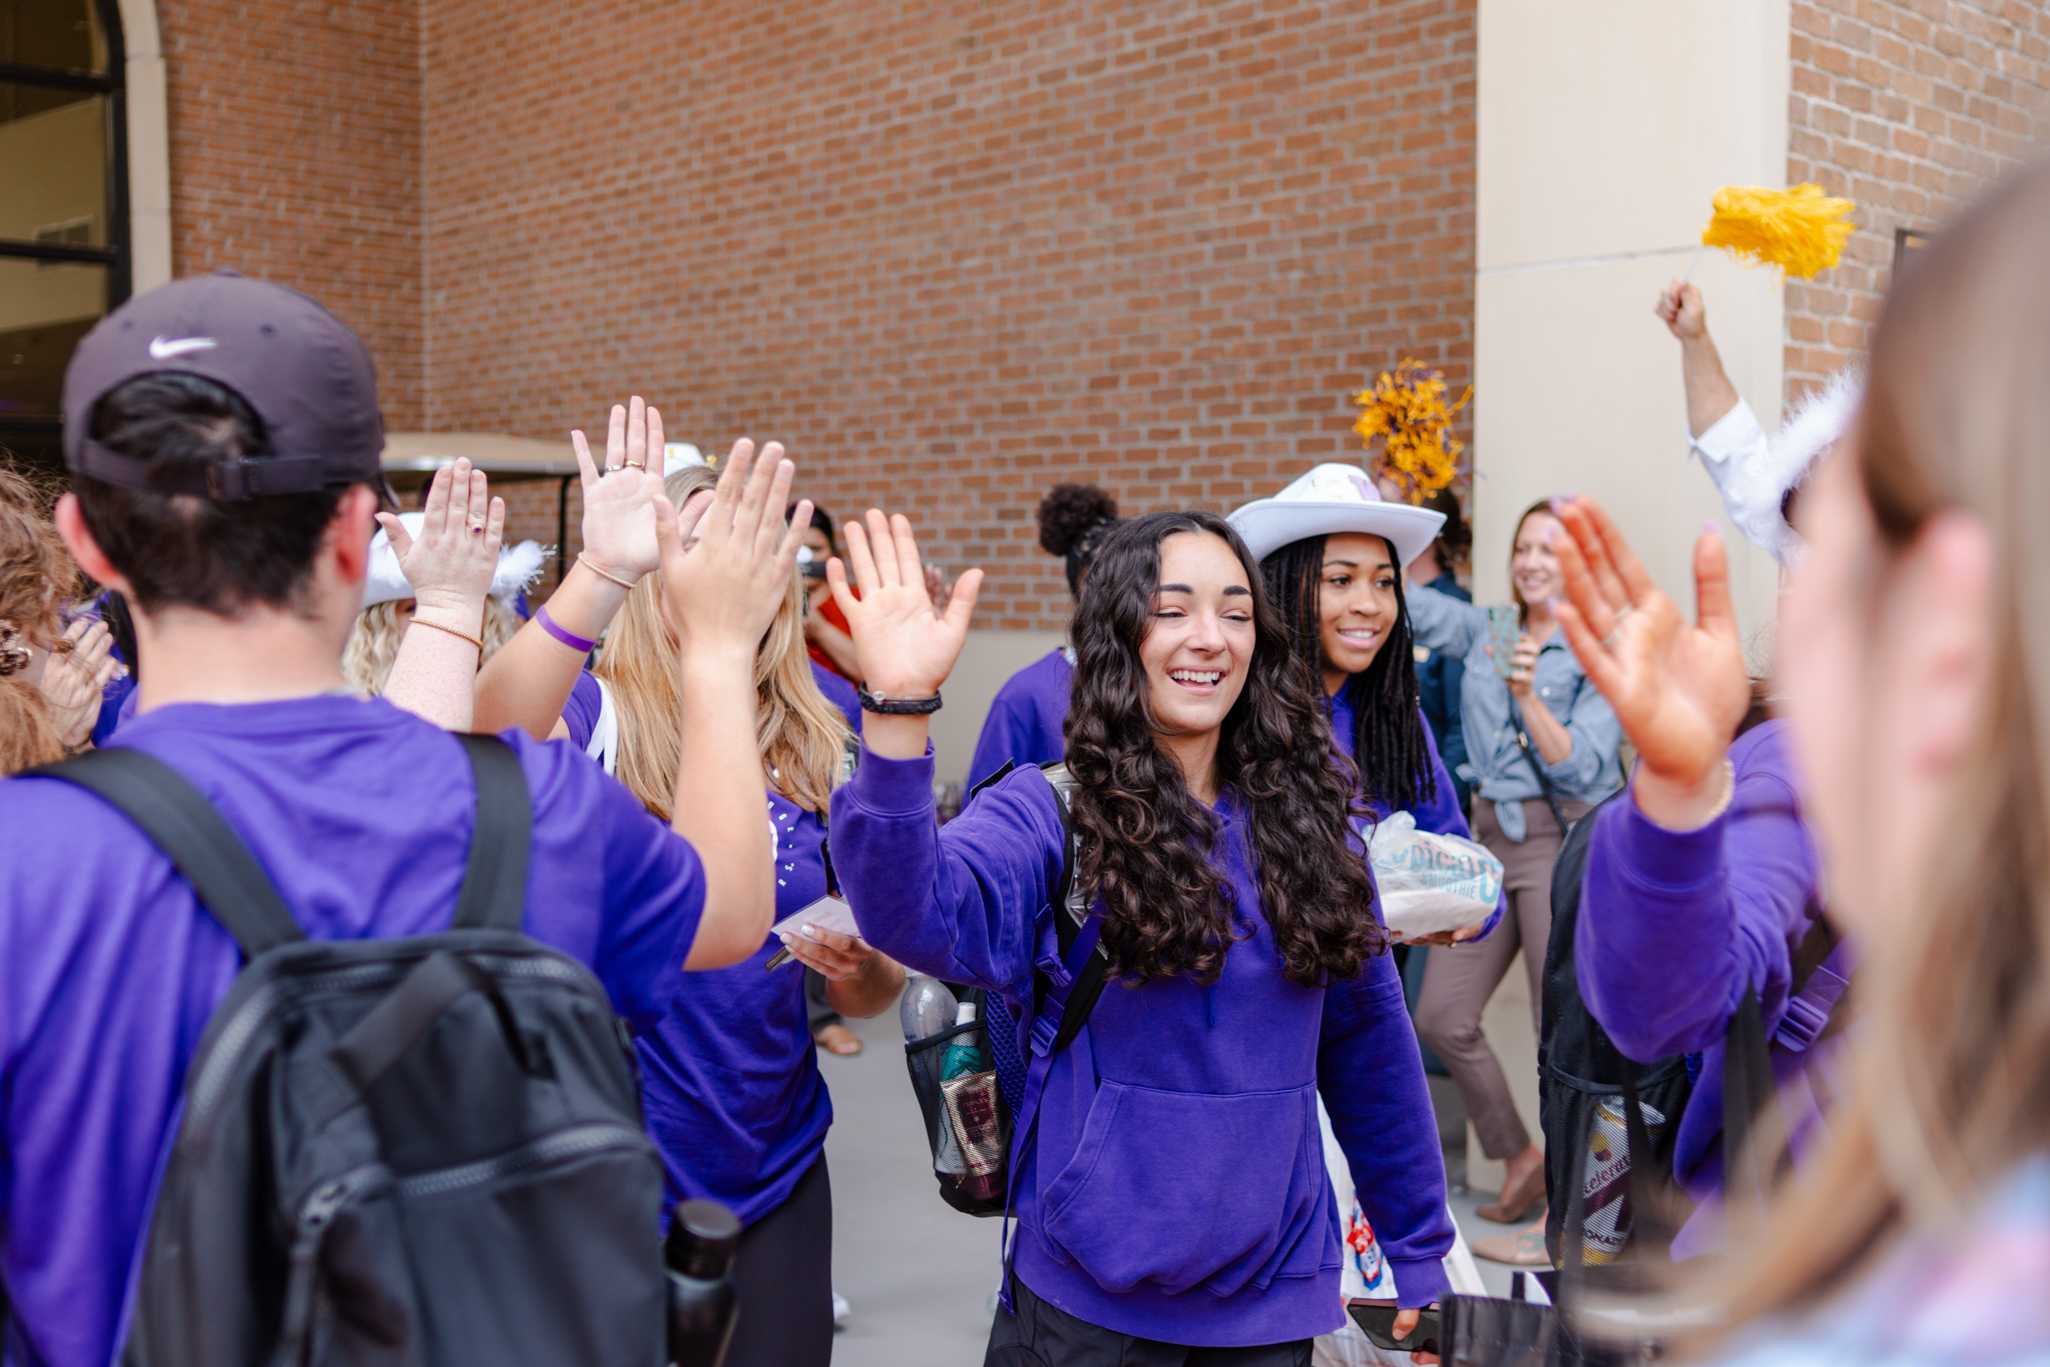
518,567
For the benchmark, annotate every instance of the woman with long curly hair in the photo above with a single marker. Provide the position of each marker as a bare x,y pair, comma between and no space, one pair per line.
1029,716
1174,1202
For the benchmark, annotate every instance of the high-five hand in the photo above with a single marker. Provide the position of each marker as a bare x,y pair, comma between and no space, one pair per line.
619,505
906,648
728,559
1679,690
451,562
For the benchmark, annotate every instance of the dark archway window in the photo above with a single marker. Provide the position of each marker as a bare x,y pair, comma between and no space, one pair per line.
64,249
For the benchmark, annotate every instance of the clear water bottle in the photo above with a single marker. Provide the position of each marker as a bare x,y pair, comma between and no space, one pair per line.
928,1007
703,1305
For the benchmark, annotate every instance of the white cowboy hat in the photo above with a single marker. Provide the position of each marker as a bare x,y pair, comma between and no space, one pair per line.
1334,498
518,567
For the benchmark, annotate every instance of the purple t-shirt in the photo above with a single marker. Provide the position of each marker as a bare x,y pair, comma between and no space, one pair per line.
730,1075
362,815
1027,723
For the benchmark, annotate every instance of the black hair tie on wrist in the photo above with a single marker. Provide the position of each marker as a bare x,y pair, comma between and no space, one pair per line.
898,707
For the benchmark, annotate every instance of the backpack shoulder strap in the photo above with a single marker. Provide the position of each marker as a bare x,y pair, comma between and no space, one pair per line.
184,825
494,894
1071,914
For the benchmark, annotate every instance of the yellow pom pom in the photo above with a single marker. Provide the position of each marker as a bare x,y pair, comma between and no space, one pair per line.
1407,412
1801,230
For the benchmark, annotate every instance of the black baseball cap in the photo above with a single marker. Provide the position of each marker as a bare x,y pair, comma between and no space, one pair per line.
300,368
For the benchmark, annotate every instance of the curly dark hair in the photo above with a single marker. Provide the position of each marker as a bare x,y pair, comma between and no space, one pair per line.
1146,840
1072,520
1389,748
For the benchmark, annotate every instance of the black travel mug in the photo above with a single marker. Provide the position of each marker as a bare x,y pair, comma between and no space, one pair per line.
703,1305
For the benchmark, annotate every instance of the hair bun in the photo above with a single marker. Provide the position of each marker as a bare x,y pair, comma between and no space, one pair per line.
1070,512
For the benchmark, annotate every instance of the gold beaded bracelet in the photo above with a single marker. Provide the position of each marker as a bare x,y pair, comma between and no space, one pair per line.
459,635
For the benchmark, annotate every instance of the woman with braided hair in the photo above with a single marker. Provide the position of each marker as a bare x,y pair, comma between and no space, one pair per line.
1026,720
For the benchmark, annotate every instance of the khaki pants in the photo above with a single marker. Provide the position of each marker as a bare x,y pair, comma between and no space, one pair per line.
1459,981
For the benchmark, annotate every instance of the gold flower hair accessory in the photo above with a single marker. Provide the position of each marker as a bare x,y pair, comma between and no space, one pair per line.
14,652
1408,413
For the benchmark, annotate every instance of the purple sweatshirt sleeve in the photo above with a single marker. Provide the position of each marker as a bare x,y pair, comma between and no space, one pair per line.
1675,925
1372,1080
960,904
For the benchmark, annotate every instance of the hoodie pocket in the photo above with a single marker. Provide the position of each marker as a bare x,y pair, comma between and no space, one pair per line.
1184,1189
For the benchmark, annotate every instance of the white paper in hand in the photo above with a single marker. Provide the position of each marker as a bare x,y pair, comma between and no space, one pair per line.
828,913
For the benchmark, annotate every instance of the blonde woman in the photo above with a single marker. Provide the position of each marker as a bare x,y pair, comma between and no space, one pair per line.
1915,678
734,1096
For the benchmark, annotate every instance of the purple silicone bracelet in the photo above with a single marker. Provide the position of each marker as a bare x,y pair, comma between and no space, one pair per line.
560,633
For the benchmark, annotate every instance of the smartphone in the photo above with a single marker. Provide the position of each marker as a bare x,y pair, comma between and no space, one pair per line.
1505,629
1376,1320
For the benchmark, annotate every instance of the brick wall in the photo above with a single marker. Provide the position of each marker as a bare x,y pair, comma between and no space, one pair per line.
295,155
950,253
1907,106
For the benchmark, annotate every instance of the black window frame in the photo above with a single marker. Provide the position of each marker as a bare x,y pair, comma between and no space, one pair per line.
116,253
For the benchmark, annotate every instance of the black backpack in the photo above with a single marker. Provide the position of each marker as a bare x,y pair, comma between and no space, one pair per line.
1019,1052
416,1151
1611,1123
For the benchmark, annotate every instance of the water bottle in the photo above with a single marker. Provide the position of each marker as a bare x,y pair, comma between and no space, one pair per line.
703,1306
928,1008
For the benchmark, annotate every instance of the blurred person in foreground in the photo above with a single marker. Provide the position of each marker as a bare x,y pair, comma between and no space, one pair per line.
1915,678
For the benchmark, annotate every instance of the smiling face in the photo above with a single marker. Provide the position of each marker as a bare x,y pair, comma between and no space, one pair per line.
1198,645
1533,565
1355,602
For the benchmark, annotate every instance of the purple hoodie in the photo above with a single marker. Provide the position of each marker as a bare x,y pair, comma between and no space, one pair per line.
1675,925
1176,1190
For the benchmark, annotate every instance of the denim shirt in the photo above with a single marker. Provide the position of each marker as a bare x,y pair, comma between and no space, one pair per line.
1495,763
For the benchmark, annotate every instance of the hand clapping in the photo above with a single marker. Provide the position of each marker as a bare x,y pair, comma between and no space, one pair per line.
75,677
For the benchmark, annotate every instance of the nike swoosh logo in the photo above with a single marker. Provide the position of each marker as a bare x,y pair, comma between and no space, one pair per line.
162,350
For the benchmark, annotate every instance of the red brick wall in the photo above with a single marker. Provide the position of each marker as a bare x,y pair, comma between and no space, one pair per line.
295,155
950,253
1907,106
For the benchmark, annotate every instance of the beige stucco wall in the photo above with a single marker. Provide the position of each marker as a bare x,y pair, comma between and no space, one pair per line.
1604,131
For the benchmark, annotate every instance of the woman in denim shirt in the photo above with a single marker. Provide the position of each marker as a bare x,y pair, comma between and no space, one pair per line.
1573,740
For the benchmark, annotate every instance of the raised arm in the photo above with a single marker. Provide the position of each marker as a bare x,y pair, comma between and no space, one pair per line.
527,683
1710,394
1654,898
449,565
726,562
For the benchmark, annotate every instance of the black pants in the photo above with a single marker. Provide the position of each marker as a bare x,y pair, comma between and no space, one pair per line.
784,1275
1042,1335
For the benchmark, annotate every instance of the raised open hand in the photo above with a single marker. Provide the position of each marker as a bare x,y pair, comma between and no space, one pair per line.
728,557
450,563
619,505
1679,689
75,676
906,648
